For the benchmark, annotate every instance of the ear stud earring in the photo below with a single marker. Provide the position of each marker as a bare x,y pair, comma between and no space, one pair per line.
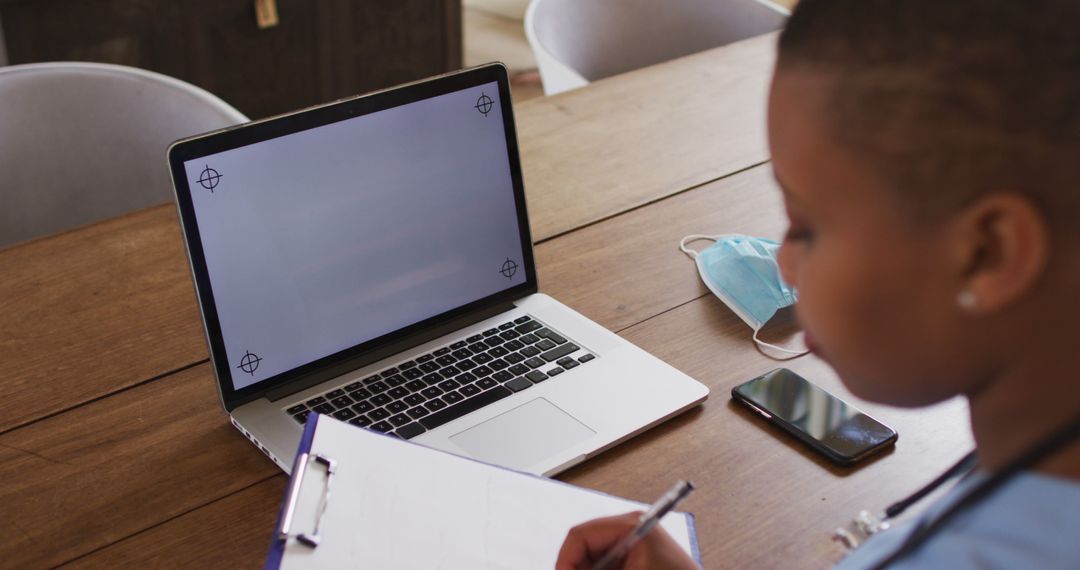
966,300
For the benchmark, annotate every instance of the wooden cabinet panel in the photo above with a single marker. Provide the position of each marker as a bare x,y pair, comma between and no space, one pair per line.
320,50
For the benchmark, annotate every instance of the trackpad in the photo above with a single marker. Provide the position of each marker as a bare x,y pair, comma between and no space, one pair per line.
524,435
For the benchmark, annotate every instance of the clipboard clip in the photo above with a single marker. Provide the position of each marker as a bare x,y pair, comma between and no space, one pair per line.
309,540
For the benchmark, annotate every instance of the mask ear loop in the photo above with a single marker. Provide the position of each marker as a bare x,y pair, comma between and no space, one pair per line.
692,253
758,343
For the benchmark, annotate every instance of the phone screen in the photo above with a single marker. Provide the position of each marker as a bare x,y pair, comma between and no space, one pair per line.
845,432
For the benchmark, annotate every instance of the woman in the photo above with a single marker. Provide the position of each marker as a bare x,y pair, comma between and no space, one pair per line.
929,155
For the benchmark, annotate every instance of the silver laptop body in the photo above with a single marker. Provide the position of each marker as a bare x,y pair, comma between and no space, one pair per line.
370,259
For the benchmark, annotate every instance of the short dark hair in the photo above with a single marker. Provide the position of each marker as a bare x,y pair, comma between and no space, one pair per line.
951,99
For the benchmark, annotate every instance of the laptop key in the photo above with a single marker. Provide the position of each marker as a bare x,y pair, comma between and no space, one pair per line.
431,392
518,384
466,364
543,332
478,348
378,387
417,412
498,351
461,353
514,357
399,392
556,338
452,397
530,351
353,386
412,373
363,407
504,375
389,372
449,371
482,358
546,344
415,385
482,371
509,335
555,371
446,360
557,353
519,369
441,351
429,367
458,344
414,399
490,332
395,380
399,420
585,358
371,379
573,363
301,417
433,378
474,338
335,394
425,358
315,401
514,345
486,383
529,338
564,360
360,394
345,414
466,378
469,390
361,421
342,402
449,385
527,327
379,414
296,409
410,431
536,376
506,326
500,364
454,412
380,399
535,362
494,341
323,409
434,406
524,319
382,426
408,364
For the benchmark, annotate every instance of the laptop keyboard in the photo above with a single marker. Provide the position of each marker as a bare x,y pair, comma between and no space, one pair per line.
451,381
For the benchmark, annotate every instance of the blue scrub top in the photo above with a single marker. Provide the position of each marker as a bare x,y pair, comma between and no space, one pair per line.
1032,521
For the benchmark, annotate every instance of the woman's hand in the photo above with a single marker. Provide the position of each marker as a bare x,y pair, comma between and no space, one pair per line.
587,542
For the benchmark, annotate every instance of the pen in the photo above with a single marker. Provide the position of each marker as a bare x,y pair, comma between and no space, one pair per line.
647,521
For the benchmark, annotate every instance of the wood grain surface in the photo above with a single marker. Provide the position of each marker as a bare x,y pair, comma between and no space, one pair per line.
630,139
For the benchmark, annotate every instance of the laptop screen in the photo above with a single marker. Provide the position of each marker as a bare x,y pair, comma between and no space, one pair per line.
326,238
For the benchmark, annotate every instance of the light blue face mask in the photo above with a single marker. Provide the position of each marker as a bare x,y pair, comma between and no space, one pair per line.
742,271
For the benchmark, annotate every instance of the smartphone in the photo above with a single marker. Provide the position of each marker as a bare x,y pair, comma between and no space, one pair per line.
826,423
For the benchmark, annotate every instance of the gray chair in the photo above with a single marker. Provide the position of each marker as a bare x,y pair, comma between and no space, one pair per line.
83,142
579,41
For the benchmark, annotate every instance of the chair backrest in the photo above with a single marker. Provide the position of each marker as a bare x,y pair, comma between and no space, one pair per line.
82,142
578,41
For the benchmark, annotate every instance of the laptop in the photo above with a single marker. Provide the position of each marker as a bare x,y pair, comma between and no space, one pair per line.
370,259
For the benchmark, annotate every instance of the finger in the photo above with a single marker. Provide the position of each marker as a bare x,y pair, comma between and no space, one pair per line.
589,541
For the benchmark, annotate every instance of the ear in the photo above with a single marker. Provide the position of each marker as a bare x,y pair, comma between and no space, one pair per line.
1002,245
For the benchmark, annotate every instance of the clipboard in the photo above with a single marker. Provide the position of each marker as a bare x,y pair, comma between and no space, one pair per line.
361,499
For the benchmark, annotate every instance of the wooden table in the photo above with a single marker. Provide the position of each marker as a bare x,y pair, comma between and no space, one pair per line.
114,450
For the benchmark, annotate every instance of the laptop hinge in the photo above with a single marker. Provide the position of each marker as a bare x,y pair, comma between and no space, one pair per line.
331,372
